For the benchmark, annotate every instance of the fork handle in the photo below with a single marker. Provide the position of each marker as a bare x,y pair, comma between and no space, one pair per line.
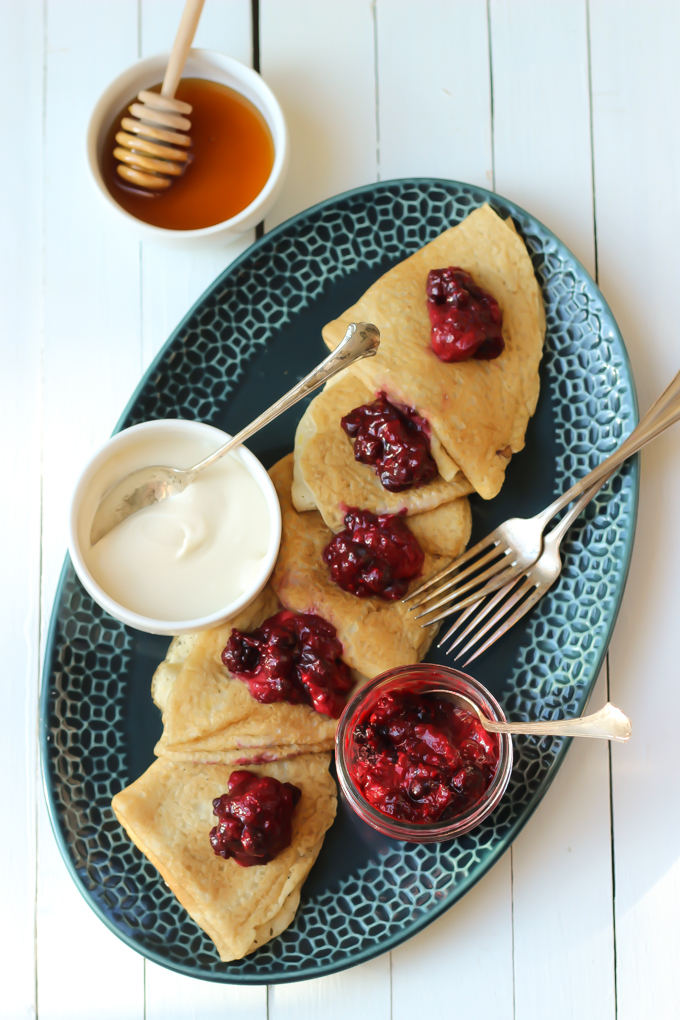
609,723
559,531
664,412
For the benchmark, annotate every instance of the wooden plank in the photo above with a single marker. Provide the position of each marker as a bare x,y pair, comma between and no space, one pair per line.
360,992
464,958
435,109
562,890
319,61
172,279
541,115
225,26
91,364
21,60
636,107
92,293
171,996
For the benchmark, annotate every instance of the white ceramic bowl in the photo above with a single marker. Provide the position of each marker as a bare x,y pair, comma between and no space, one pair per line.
102,471
200,64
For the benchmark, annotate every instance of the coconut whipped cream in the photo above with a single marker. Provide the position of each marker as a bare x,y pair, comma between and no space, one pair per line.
188,556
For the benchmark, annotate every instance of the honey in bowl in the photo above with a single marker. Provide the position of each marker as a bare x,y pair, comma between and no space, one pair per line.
232,154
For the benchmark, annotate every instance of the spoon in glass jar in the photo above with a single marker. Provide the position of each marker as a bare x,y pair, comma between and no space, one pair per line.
608,724
152,484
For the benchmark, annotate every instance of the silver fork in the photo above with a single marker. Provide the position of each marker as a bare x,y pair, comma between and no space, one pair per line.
535,582
513,546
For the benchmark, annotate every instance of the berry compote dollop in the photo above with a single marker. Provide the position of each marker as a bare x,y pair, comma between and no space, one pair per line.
254,820
375,555
418,758
292,657
394,440
466,320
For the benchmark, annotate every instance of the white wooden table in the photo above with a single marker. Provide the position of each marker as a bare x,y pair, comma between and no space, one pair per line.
570,108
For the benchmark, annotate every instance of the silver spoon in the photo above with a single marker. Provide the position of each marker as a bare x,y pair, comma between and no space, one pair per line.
609,723
152,484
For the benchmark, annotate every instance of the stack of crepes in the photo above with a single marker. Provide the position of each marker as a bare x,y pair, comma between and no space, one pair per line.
477,412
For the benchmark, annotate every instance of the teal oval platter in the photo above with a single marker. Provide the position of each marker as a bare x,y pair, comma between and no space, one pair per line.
251,336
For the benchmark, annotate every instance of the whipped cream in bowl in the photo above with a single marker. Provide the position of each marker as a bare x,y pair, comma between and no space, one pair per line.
189,562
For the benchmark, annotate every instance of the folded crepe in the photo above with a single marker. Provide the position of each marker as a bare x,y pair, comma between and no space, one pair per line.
168,671
327,478
477,410
210,716
376,635
168,814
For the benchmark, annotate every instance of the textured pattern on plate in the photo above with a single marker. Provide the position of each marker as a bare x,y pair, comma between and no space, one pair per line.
564,641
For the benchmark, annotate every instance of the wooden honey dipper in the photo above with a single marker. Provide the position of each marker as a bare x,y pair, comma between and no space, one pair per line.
147,145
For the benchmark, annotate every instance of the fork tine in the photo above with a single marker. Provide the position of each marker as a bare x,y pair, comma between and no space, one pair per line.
484,611
499,581
496,569
488,589
461,619
455,565
491,555
511,621
512,600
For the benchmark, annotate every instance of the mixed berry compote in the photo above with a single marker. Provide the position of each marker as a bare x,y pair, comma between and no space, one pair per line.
466,320
421,759
254,818
375,555
395,440
292,657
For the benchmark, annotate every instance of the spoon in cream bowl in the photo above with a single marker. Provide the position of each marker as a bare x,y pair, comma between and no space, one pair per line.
152,484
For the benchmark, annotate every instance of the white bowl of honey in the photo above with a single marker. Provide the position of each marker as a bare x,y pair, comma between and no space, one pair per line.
239,152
